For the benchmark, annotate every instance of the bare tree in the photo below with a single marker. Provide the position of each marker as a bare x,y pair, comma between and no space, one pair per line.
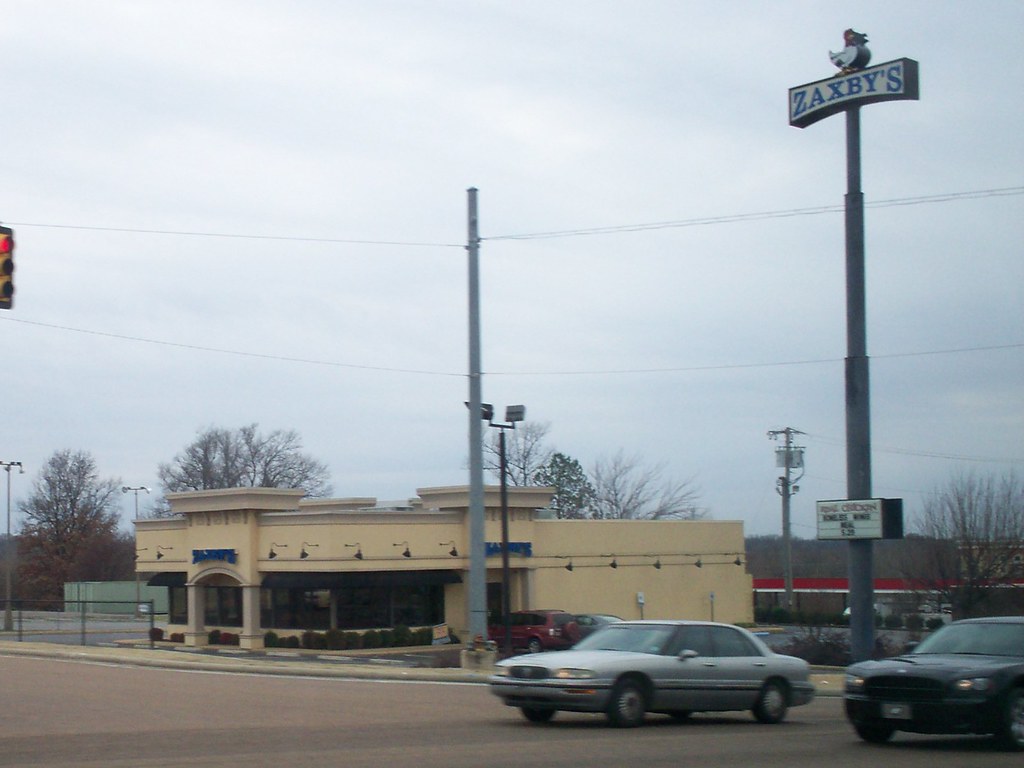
972,541
71,517
525,453
625,489
224,458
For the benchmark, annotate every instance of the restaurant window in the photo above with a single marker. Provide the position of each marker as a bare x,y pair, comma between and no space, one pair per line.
178,605
223,606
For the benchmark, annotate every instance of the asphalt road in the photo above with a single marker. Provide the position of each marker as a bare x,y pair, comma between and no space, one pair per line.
92,712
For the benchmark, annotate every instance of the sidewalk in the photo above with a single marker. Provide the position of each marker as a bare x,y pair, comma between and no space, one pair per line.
364,665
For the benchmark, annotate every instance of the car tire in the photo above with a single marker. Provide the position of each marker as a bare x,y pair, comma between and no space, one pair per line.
875,733
772,704
535,715
534,646
1011,735
627,705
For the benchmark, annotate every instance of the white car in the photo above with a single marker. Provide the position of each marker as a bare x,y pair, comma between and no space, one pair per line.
671,667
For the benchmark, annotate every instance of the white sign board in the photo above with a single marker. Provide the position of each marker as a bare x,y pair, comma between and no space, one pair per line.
847,519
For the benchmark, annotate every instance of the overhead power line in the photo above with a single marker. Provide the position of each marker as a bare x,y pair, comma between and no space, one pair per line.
395,369
589,231
761,215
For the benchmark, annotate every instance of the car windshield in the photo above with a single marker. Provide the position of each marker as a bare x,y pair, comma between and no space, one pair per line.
638,638
984,638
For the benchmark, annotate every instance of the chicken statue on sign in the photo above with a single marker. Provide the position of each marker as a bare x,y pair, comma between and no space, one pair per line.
855,55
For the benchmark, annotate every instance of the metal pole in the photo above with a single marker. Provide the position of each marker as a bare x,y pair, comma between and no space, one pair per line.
506,577
138,587
858,419
477,596
787,540
9,551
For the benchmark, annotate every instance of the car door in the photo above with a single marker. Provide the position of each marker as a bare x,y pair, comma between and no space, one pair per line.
694,673
740,668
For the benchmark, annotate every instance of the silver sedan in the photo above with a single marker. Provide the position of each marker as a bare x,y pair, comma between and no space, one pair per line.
671,667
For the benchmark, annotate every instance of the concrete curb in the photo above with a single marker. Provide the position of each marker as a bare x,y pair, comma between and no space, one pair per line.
827,682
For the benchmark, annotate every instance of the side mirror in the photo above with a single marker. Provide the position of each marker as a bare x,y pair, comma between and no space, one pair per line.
687,654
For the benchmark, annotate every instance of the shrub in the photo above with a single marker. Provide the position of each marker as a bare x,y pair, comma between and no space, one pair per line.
229,638
820,647
334,640
893,621
934,623
914,622
371,639
214,637
292,641
314,641
156,634
401,636
177,637
422,636
353,641
271,640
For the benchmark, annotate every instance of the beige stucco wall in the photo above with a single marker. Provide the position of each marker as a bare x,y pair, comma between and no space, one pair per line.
252,522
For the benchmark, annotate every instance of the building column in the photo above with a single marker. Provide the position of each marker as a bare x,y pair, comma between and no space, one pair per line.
252,635
195,633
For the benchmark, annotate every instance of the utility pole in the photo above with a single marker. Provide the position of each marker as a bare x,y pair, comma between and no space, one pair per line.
477,593
789,457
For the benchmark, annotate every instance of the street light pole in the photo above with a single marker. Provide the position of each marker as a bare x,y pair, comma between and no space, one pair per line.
138,587
8,555
513,414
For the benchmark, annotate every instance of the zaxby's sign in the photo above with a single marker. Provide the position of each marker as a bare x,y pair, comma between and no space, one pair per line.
892,81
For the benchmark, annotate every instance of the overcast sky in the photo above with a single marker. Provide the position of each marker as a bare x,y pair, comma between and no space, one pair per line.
238,212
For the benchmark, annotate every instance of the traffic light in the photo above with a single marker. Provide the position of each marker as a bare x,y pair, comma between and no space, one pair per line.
6,267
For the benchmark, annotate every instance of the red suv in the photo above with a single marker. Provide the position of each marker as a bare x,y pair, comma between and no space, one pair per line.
538,631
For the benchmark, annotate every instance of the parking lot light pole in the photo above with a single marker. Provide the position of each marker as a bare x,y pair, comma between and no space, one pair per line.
138,587
8,554
513,414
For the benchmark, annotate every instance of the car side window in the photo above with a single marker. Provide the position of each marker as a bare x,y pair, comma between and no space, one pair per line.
691,639
729,642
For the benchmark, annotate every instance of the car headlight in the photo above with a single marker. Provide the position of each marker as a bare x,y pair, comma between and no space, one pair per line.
854,683
574,674
501,672
973,685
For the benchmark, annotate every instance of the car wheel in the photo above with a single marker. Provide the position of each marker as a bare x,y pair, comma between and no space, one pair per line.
535,715
534,645
771,704
627,705
1011,734
875,734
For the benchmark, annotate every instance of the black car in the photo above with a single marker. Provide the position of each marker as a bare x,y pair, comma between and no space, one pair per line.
966,678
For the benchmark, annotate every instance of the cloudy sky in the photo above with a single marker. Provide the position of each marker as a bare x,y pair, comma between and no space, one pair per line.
237,212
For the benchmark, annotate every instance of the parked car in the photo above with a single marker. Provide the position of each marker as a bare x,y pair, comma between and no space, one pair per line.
966,677
671,667
588,622
537,631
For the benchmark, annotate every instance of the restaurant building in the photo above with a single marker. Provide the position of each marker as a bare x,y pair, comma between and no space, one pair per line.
253,560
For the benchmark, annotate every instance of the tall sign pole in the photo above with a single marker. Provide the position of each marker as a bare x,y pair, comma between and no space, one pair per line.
854,86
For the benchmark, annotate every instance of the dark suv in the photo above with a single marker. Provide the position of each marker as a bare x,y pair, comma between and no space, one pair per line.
538,631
